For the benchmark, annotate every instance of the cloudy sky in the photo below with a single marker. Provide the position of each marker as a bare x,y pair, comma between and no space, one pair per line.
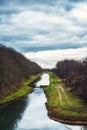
45,31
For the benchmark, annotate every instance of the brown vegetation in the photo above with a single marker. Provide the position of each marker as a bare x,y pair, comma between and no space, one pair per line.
74,74
14,69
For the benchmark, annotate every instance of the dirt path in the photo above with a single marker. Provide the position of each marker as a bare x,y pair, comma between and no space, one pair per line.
62,95
64,100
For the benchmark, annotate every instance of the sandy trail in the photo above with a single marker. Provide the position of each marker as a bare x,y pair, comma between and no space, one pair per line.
64,101
62,95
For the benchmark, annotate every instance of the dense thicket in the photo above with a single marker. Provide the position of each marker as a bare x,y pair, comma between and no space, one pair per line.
74,74
14,68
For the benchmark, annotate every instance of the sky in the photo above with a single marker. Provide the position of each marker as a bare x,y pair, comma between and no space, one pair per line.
45,31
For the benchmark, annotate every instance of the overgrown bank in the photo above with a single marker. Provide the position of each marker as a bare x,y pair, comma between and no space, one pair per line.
62,105
74,75
20,92
15,70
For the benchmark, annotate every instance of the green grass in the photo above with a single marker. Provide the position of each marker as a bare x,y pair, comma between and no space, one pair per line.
74,109
24,90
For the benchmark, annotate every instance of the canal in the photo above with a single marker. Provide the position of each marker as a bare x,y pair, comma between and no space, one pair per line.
30,113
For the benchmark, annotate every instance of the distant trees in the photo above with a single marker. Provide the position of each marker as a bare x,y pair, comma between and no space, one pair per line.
14,68
74,74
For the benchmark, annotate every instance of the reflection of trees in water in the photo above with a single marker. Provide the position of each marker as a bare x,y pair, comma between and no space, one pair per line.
84,128
10,115
68,128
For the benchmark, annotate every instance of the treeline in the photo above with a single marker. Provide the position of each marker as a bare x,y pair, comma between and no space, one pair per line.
74,74
14,68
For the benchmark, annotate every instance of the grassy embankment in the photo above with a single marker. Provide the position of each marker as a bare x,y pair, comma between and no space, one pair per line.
63,105
20,92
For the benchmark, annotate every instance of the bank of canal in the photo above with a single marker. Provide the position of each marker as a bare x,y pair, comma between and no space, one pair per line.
30,113
63,105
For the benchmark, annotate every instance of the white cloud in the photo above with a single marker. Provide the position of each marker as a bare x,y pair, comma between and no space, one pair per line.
29,22
62,26
80,13
48,59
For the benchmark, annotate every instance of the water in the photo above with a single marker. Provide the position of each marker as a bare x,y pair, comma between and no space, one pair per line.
45,81
30,113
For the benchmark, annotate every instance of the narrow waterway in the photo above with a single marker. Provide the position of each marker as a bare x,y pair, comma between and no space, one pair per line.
30,113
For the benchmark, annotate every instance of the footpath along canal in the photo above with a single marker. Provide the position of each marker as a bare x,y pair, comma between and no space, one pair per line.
30,113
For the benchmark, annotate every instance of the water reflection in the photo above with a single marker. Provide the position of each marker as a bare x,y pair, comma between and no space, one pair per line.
30,113
35,116
44,81
84,128
10,115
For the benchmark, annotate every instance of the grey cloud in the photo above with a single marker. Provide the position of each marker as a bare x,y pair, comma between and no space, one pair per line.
33,25
8,11
24,47
15,38
46,2
75,1
28,2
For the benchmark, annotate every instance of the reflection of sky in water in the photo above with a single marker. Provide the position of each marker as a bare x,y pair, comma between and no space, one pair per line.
44,80
35,116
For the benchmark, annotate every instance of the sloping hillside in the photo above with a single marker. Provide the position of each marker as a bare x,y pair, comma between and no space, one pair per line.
14,69
74,74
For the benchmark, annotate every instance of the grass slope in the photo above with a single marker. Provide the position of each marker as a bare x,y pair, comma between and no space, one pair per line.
63,105
24,90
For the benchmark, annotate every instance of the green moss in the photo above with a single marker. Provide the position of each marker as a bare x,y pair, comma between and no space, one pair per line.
24,90
60,106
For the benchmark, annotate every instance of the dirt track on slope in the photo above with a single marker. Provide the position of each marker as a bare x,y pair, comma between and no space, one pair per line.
64,101
62,95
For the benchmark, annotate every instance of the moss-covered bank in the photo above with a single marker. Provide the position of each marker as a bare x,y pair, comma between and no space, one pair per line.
63,106
20,92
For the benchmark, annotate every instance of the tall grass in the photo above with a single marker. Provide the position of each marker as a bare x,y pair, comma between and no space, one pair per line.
73,109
